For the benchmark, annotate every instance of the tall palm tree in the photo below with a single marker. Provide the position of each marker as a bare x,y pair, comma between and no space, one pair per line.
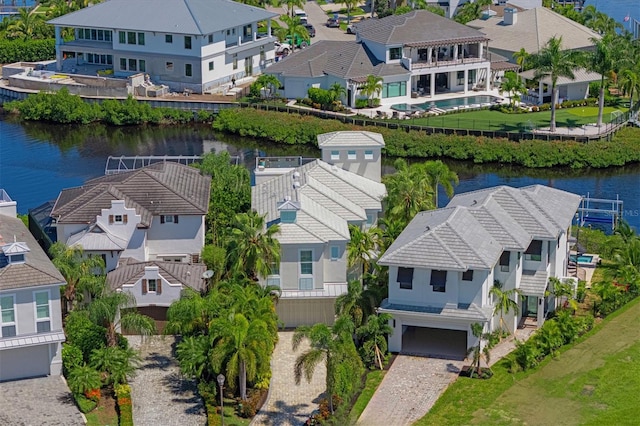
521,57
554,62
371,87
337,91
192,313
253,248
107,311
241,348
27,25
362,247
349,4
409,191
603,60
374,337
470,11
478,352
503,302
292,31
440,176
326,342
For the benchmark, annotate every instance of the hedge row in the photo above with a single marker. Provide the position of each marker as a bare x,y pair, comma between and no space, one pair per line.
123,395
26,51
298,129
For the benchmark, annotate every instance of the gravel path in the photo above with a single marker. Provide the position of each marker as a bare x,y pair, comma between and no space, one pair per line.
161,397
290,404
36,402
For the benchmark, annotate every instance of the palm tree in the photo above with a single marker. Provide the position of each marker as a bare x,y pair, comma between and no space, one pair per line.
83,378
562,290
253,248
337,91
349,4
362,247
27,25
629,81
79,272
115,363
192,313
291,5
326,342
292,31
470,11
409,191
371,87
269,81
440,176
514,86
357,303
603,60
554,62
374,337
107,309
479,351
241,348
521,57
503,302
193,354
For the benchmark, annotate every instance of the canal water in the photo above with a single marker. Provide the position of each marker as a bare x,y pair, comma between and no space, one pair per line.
38,160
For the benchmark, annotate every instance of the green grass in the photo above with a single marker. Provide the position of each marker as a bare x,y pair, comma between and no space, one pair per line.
592,382
496,120
374,378
356,11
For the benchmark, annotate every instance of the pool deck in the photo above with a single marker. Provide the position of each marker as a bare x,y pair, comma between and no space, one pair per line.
585,270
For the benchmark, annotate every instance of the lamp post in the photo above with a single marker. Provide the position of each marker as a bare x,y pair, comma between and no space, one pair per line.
220,379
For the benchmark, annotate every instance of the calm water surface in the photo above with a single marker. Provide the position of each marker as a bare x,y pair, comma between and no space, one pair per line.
38,160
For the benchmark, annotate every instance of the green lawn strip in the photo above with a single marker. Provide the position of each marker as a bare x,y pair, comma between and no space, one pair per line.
589,382
230,416
496,120
374,378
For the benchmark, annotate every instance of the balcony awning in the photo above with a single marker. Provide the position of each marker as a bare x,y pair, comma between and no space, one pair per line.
533,283
447,42
32,340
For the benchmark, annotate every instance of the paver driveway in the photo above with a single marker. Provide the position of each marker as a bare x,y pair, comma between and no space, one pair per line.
35,402
409,389
161,396
290,404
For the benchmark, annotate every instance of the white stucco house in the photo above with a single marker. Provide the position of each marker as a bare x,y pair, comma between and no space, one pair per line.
30,312
184,44
416,54
444,264
154,214
314,202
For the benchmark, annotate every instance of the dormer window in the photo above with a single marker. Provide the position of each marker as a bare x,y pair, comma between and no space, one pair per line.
288,216
395,53
288,211
15,252
16,258
169,219
119,219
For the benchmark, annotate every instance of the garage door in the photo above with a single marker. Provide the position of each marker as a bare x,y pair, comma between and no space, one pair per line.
22,363
306,312
158,313
435,342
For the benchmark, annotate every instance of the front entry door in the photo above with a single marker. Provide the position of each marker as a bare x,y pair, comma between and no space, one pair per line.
248,65
530,306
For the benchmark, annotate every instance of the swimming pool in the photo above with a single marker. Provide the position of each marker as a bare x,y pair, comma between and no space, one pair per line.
447,104
582,259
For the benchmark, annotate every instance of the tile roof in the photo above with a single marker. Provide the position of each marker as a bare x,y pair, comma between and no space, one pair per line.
533,283
532,30
344,59
95,238
37,270
129,271
350,139
581,76
161,188
418,27
195,17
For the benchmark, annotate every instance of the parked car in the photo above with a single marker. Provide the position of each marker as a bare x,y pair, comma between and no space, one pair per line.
351,29
333,22
282,48
310,30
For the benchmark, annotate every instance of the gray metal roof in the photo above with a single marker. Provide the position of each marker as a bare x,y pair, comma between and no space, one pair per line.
131,271
161,188
329,290
418,27
97,239
349,60
471,312
37,270
581,76
350,139
194,17
533,283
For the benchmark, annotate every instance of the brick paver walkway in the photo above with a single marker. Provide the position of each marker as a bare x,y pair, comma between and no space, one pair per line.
290,404
161,396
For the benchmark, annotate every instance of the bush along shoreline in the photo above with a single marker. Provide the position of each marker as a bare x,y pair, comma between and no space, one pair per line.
286,128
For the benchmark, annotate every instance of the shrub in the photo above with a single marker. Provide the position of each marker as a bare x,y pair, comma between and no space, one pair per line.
249,407
83,379
26,51
93,394
71,358
85,405
208,391
123,396
320,96
362,103
84,334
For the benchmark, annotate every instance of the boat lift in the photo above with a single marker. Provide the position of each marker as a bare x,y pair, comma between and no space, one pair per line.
121,164
599,211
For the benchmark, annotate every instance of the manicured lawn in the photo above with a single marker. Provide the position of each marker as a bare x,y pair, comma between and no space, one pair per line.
496,120
104,414
594,382
374,378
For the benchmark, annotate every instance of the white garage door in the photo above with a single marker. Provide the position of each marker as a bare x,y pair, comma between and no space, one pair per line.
21,363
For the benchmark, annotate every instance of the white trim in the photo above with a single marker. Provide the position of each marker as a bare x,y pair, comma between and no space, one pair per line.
300,274
35,310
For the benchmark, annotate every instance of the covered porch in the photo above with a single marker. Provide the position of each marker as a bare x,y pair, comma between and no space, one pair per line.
534,302
568,89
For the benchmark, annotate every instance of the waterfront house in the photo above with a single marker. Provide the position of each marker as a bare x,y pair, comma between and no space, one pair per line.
415,54
192,45
314,202
444,264
30,319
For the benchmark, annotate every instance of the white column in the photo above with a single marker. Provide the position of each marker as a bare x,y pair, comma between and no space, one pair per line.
432,89
455,52
487,78
429,53
466,78
540,93
268,27
58,48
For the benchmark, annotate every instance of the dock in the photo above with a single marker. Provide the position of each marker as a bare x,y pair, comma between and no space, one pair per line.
599,211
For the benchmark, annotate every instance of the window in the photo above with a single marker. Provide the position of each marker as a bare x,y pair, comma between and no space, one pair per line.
235,62
405,278
471,76
133,65
187,42
43,319
504,261
169,66
7,316
460,78
210,38
395,53
306,270
168,38
335,252
169,219
142,65
152,286
131,37
141,39
288,216
211,66
467,275
123,64
439,281
16,258
368,155
370,218
247,31
351,155
122,37
274,276
534,252
188,70
392,90
335,155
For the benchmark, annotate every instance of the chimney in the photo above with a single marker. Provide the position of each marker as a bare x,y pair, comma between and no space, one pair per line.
510,16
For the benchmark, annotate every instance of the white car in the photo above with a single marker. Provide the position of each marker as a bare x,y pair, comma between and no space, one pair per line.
282,48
